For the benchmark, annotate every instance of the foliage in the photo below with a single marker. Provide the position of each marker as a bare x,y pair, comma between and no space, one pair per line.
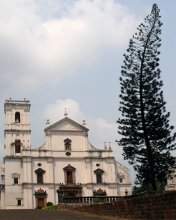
49,203
147,138
147,188
141,189
50,207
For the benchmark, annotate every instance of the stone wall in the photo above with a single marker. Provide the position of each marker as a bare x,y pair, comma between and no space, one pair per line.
158,206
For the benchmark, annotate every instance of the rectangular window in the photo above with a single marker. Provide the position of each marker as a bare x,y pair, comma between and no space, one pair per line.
69,177
19,202
15,180
121,180
67,143
17,146
2,177
40,178
99,177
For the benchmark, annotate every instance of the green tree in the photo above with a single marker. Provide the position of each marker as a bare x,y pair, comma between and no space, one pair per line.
146,136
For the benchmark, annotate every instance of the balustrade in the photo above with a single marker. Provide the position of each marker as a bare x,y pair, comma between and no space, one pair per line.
92,199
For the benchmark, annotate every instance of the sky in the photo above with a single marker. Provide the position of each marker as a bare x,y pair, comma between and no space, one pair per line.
68,54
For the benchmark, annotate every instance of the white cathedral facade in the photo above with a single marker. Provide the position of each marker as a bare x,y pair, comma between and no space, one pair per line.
66,165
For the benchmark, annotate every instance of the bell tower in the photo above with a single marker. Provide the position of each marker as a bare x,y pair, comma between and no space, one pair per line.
17,126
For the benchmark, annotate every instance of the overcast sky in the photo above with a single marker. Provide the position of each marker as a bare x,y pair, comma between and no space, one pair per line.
68,53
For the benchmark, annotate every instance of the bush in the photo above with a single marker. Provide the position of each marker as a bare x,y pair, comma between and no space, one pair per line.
50,207
49,204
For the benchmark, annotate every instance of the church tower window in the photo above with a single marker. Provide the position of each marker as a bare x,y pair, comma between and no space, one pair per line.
17,117
67,143
17,146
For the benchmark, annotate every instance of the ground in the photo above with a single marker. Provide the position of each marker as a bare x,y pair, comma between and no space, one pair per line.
48,214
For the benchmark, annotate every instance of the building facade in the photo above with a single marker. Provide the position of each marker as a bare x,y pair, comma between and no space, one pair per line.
171,182
66,165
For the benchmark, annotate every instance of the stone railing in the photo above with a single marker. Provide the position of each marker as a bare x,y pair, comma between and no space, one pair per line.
92,199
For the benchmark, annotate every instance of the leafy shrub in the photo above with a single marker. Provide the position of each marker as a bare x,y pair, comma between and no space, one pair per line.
49,204
50,207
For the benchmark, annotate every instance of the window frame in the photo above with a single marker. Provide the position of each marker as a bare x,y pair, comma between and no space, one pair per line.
67,144
40,175
99,178
15,180
69,175
72,178
19,202
121,177
39,178
17,146
99,175
17,117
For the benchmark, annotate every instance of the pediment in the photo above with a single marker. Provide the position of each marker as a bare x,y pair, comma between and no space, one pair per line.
66,124
99,171
69,167
15,175
40,171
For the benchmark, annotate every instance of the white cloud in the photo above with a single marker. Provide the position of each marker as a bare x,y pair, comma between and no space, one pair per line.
103,130
55,112
100,130
36,48
47,41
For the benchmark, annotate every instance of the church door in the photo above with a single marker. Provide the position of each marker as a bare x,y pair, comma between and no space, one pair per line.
40,196
41,202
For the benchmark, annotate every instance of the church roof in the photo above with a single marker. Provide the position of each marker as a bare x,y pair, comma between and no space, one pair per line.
66,124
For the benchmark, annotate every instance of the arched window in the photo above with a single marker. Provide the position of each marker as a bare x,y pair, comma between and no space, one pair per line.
69,174
17,117
99,173
40,173
67,143
17,146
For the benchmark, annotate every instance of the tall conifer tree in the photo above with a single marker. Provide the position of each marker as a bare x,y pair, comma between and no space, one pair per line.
147,137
